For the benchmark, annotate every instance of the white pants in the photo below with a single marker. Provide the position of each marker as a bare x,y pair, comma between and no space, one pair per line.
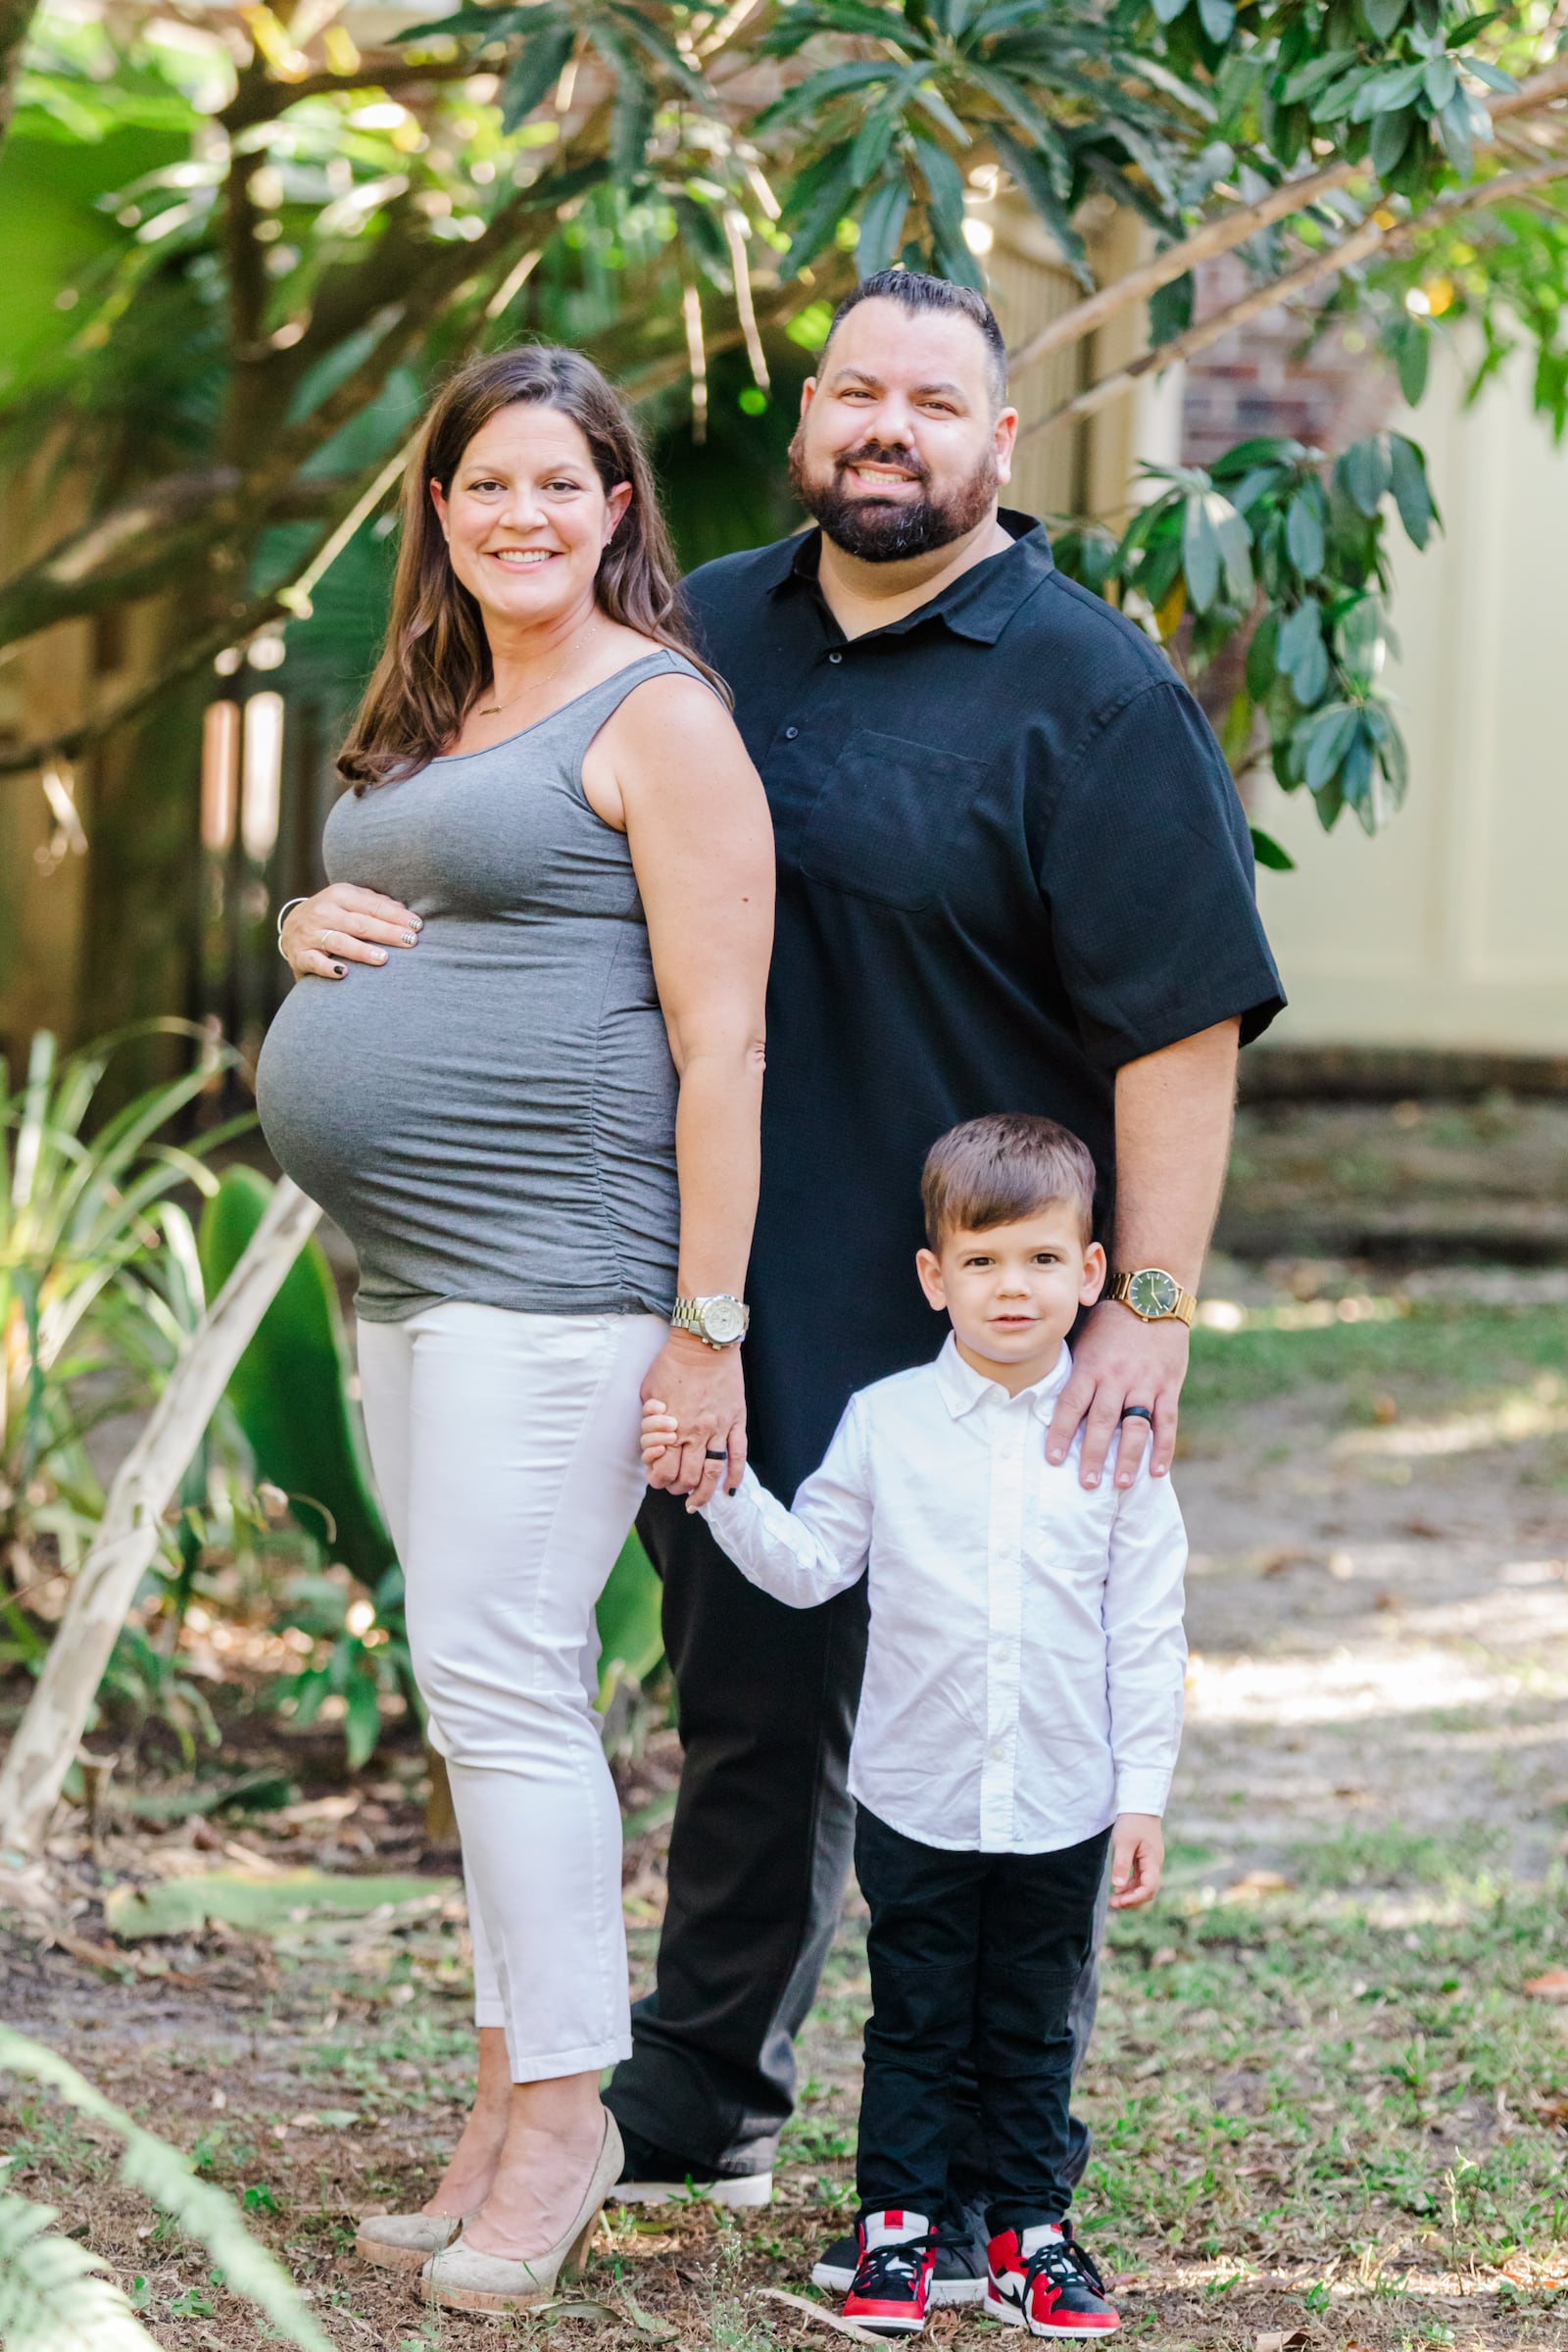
505,1448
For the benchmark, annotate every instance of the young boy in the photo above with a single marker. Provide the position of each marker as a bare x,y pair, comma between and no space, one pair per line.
1021,1712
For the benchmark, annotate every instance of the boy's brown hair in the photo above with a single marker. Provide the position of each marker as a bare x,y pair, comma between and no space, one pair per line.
996,1170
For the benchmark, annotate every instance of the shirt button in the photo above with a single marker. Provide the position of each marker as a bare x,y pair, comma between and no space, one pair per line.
835,656
790,734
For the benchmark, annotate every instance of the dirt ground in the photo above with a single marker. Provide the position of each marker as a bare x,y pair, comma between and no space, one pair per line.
1323,2097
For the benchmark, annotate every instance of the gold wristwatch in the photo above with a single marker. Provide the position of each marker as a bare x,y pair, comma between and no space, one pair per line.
1154,1294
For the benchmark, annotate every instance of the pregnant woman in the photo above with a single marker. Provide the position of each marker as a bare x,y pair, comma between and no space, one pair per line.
522,1070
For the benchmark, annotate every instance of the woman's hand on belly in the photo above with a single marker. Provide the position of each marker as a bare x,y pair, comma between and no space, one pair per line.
343,925
703,1388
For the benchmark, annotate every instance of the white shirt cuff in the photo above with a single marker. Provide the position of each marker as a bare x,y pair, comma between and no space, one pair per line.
1142,1789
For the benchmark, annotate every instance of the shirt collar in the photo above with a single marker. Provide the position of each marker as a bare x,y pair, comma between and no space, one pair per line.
978,604
962,1388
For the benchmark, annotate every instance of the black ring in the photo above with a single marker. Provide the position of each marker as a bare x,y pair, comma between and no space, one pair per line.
715,1453
1138,1412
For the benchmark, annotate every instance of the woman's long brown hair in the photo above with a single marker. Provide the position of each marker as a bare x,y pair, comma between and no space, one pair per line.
435,662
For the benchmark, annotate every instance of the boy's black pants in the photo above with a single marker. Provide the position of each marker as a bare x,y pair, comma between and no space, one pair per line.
971,1952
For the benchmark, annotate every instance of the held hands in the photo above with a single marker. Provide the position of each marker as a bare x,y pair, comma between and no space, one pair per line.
1137,1859
341,925
1118,1361
694,1419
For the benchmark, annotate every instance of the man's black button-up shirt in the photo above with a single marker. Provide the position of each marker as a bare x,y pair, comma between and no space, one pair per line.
1010,858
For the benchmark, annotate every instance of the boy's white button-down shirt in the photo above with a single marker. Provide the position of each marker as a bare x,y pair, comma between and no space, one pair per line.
1023,1683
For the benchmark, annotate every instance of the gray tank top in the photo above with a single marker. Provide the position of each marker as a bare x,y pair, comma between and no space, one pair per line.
491,1114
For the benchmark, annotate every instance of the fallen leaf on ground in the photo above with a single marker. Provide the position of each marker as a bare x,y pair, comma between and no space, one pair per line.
265,1903
1275,2340
1259,1882
823,2318
1553,1987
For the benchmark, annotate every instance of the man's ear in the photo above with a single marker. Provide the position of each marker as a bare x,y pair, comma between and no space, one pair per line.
807,394
929,1266
1094,1281
1004,435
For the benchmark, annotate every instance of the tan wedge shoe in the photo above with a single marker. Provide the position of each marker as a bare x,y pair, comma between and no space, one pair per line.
460,2278
404,2241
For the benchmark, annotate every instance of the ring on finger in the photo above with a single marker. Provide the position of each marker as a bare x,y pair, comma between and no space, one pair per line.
1138,1412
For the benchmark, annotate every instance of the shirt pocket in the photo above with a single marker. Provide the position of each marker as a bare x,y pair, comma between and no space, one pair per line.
884,823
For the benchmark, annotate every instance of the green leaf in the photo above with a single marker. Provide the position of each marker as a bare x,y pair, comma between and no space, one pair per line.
1201,553
1456,131
1412,351
534,72
1320,743
1493,76
1261,656
871,143
1441,81
263,1904
1303,534
1309,79
1390,136
1366,471
1167,10
1382,17
1266,851
1381,93
1219,20
1412,493
1033,176
881,227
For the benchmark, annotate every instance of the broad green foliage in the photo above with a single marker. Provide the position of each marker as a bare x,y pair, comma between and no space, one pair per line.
261,1904
273,250
1271,515
41,2286
98,1268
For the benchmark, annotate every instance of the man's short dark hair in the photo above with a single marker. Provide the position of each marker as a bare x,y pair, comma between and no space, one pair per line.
1000,1169
915,293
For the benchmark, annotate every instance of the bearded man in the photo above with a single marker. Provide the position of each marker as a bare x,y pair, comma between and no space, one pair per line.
1013,875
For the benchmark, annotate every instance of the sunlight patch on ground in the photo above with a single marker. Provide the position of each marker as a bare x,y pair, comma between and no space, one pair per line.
1339,1688
1539,1410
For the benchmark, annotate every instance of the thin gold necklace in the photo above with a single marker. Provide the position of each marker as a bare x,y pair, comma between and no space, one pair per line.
494,709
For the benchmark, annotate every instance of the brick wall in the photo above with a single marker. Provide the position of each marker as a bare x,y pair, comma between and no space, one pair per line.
1256,380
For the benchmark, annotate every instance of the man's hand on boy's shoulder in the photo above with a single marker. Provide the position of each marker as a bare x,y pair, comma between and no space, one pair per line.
1137,1860
1119,1360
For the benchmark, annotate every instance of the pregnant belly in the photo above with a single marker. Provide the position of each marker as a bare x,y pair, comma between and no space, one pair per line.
424,1099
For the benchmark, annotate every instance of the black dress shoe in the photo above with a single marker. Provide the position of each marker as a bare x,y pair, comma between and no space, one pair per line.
959,2275
654,2175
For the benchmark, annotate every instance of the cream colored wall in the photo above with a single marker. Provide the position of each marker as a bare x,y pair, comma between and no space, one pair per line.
1450,928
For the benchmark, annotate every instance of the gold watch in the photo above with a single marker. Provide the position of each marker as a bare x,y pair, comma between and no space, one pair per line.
1154,1294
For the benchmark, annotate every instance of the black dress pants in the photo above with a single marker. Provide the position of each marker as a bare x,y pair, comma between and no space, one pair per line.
971,1954
758,1858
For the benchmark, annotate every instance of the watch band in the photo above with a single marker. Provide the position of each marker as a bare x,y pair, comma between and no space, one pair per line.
719,1321
1182,1306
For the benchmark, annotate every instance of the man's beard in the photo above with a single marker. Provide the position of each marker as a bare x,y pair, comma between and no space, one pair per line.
880,530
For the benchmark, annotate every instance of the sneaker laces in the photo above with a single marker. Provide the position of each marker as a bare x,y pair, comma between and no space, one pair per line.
897,2263
1058,2260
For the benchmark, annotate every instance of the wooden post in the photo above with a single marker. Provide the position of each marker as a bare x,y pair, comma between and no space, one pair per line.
105,1587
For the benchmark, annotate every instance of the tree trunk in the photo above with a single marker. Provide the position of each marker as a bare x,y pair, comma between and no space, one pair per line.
51,1730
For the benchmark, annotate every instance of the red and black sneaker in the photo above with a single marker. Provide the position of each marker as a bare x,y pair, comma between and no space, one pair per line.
1054,2290
891,2290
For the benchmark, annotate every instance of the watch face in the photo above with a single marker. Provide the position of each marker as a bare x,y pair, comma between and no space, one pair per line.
723,1319
1152,1293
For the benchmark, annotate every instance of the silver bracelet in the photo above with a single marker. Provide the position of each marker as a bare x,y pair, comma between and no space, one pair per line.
282,914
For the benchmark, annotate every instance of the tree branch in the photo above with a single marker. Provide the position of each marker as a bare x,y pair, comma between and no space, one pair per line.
1368,239
265,98
1235,228
126,552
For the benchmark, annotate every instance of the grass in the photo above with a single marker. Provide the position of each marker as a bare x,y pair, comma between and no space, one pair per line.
1448,1354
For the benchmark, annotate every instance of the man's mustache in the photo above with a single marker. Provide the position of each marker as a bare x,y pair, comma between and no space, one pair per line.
882,453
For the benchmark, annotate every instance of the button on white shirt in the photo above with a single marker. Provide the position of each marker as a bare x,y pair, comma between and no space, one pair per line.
1023,1682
